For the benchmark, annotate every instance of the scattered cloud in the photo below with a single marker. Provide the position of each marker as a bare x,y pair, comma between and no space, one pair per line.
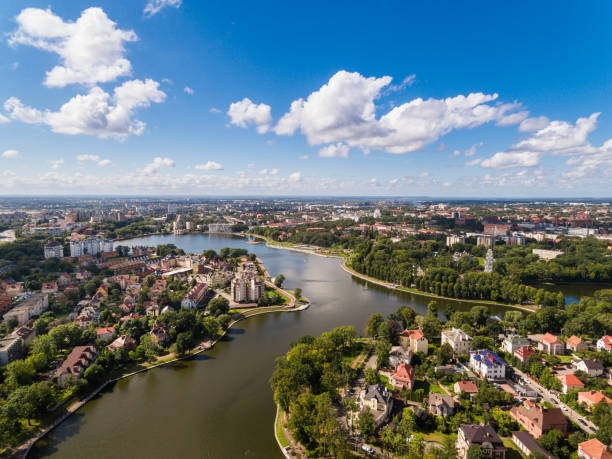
338,150
473,162
188,90
408,81
533,124
55,163
14,65
295,177
105,162
268,172
557,138
155,6
215,110
10,154
4,119
95,113
158,163
88,158
304,157
344,110
209,166
91,49
246,112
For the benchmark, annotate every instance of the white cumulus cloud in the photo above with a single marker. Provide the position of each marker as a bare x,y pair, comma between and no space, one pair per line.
533,124
55,163
504,160
209,166
88,158
246,112
295,177
188,90
95,113
158,163
105,162
10,154
344,110
338,150
155,6
91,49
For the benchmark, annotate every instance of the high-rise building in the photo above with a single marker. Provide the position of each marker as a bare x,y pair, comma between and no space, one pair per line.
247,288
489,262
90,246
53,249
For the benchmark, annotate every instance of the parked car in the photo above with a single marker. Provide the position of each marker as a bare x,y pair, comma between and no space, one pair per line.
368,449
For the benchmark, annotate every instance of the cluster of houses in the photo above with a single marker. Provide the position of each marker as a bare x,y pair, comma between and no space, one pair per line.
535,420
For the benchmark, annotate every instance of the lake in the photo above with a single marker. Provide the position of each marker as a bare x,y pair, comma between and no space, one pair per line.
219,404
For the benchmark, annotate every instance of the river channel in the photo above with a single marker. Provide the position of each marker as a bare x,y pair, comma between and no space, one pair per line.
219,404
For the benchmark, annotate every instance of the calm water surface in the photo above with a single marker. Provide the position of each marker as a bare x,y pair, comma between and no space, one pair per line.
219,404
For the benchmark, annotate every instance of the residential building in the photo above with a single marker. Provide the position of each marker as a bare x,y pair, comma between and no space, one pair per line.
10,349
49,287
5,303
378,400
551,344
75,364
538,420
547,254
398,355
414,340
90,246
459,340
53,249
528,445
569,382
454,239
123,342
512,342
31,307
486,240
576,344
591,367
403,378
487,364
469,387
441,404
488,267
591,397
195,296
105,333
159,335
523,353
483,435
604,343
27,334
593,449
219,228
247,288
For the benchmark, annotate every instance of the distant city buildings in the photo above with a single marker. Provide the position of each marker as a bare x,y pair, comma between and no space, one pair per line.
454,239
488,268
219,228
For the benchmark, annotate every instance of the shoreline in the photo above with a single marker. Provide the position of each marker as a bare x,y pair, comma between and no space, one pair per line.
23,450
430,295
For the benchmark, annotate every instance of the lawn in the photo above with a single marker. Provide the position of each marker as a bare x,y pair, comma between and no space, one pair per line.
351,353
436,437
512,451
436,388
279,428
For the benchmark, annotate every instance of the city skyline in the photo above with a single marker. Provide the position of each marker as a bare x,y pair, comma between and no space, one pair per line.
171,97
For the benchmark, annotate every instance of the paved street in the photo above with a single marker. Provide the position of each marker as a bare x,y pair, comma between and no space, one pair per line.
551,397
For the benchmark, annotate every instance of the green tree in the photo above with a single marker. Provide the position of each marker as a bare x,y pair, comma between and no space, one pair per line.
373,325
371,377
19,373
366,423
218,306
476,452
383,349
278,280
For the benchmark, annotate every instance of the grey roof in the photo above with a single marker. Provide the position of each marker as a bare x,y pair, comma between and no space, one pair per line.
379,392
477,434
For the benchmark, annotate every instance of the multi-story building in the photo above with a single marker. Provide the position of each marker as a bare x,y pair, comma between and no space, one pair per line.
539,420
31,307
220,228
90,246
489,261
454,239
551,344
53,250
512,342
247,288
604,343
10,349
414,340
195,296
593,449
487,364
482,435
486,239
459,340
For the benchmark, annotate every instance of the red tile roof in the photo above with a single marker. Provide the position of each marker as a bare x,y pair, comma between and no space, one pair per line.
414,334
594,397
570,380
469,387
573,341
595,449
550,338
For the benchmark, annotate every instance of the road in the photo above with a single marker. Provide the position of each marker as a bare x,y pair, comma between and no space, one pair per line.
553,398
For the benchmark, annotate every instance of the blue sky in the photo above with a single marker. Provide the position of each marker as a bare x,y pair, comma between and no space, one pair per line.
317,98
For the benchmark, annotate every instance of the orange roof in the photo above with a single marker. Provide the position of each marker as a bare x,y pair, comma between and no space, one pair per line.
594,397
104,331
570,380
414,334
607,340
573,341
595,449
404,372
550,338
468,386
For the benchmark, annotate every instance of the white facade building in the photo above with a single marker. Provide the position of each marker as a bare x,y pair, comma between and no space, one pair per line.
90,246
53,250
487,364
